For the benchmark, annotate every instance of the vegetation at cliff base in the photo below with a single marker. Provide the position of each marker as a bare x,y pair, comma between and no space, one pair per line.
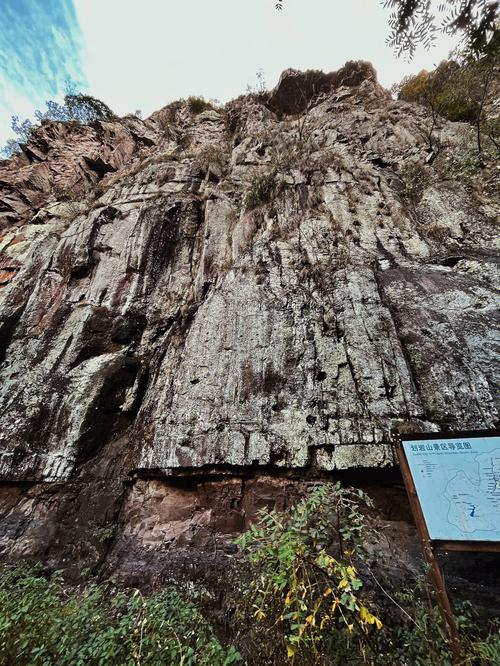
314,598
305,564
45,622
302,592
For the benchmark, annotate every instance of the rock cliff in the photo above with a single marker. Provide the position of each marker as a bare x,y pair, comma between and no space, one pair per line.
199,311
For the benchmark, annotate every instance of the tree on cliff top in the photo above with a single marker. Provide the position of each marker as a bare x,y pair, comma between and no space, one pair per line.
77,107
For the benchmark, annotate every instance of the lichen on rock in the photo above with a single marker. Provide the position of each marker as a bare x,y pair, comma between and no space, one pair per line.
165,327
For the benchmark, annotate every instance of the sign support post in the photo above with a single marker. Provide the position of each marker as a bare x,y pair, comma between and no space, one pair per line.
432,560
463,468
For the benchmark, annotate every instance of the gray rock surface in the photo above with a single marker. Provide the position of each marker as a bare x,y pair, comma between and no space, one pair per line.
170,322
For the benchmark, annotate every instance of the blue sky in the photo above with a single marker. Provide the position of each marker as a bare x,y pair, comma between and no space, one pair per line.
40,48
142,54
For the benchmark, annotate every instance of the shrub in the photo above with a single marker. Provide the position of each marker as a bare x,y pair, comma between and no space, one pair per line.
210,154
414,177
454,91
412,88
198,104
261,190
424,641
43,622
305,575
308,597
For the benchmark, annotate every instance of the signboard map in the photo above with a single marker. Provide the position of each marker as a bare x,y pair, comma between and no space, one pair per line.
458,485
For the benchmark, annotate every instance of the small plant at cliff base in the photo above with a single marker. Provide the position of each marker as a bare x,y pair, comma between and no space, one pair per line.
305,575
425,642
261,190
44,622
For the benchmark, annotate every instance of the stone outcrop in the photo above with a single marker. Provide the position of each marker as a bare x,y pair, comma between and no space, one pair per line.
163,325
296,90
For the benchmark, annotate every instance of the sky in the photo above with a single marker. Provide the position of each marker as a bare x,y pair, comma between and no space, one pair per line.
143,54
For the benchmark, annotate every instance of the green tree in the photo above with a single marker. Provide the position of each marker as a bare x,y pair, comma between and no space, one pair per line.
77,107
457,91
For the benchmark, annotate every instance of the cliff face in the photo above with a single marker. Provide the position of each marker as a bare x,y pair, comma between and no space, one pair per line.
229,294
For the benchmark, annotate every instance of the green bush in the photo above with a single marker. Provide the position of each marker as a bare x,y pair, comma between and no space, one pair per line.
310,604
261,190
306,578
43,622
198,104
424,641
453,90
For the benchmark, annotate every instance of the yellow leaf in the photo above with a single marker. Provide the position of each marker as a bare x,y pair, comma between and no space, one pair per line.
289,651
288,598
327,592
310,619
369,618
351,571
343,583
259,614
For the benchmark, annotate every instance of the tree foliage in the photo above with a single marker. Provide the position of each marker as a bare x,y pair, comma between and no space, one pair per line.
414,22
457,91
77,107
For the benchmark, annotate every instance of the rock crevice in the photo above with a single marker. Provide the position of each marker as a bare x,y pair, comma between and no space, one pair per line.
247,288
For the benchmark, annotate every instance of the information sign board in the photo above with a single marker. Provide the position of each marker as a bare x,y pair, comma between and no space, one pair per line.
457,481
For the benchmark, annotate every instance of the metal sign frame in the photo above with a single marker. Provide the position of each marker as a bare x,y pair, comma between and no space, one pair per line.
430,545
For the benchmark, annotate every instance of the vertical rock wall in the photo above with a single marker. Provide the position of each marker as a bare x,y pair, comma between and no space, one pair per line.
275,288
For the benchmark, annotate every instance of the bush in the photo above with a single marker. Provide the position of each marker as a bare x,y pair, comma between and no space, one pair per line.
412,88
43,622
198,104
306,579
414,177
261,190
309,598
453,90
212,155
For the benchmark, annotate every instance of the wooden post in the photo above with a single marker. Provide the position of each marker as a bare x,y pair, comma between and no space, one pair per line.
432,560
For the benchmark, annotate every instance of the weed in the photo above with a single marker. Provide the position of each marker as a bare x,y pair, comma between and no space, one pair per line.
261,190
197,105
43,622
